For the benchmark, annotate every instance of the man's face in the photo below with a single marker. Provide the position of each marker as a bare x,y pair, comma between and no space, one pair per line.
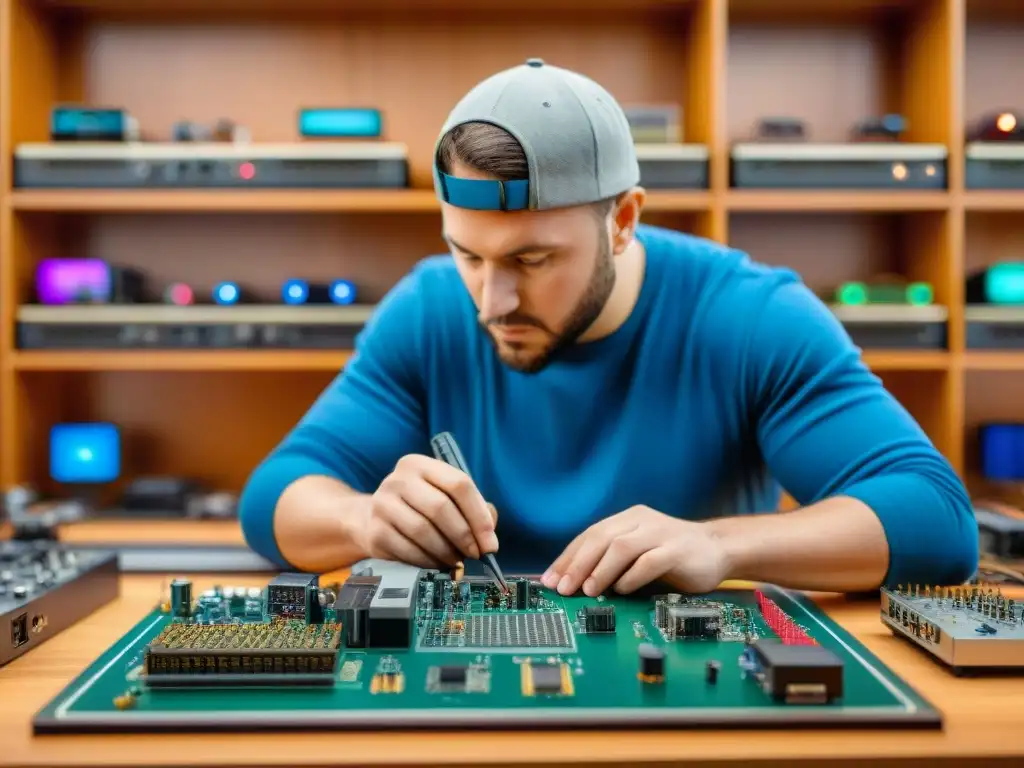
538,279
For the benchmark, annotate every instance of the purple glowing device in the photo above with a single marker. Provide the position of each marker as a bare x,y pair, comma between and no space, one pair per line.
73,281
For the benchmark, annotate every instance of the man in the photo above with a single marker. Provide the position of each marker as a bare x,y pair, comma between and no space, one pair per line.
625,396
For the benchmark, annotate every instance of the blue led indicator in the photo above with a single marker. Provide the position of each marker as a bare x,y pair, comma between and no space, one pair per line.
295,292
226,293
343,292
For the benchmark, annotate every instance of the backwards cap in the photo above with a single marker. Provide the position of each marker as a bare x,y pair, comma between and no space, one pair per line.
577,141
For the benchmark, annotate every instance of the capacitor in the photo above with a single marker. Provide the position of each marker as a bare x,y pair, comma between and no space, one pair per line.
712,671
652,663
181,598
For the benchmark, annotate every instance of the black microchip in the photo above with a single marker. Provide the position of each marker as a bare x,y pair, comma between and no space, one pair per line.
452,674
599,618
547,678
790,669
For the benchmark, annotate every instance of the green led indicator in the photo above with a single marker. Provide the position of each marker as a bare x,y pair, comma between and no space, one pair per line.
852,293
920,294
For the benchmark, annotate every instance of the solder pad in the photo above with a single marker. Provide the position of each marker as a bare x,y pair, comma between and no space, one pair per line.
472,657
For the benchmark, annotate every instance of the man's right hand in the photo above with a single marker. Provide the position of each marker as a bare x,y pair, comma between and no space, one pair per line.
430,514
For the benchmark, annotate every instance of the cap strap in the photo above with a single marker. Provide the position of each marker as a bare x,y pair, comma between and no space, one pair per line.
485,194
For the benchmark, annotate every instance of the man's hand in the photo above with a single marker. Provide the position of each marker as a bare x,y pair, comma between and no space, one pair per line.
429,514
635,547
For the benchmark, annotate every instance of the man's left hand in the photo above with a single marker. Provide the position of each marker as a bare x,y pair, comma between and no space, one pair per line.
635,547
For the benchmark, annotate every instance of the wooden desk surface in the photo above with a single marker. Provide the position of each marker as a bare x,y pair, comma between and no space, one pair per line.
983,717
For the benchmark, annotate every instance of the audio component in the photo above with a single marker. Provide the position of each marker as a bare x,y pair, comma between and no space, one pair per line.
47,587
994,327
302,292
340,123
884,128
86,281
188,165
894,326
161,326
774,129
79,123
995,152
655,124
673,166
858,165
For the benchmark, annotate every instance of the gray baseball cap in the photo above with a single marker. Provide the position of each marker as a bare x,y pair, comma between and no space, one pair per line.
576,137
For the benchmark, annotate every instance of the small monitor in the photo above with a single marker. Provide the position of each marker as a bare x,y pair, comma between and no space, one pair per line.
85,453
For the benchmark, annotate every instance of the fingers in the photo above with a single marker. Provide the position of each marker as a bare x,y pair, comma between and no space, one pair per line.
651,565
410,525
591,551
438,508
460,489
387,543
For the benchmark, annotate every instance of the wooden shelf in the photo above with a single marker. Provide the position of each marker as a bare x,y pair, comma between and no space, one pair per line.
167,360
833,200
277,201
261,360
985,200
994,361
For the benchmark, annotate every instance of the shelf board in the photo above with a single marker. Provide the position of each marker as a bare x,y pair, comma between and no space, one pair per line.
225,201
278,201
185,360
907,360
300,360
171,7
994,200
804,200
985,360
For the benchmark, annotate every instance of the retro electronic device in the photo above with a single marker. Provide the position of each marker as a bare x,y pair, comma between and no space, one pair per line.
890,313
46,587
395,646
967,627
781,156
995,152
60,282
211,165
995,307
666,162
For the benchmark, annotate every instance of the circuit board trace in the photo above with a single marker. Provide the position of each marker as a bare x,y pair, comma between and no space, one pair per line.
400,647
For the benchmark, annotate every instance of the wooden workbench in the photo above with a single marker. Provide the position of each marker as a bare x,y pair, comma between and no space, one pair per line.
983,717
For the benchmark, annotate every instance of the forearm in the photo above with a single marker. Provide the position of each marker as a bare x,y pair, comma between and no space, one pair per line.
836,545
317,523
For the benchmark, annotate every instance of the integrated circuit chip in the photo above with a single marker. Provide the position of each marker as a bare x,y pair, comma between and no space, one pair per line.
544,678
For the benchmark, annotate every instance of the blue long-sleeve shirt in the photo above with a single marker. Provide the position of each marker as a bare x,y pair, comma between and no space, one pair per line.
728,379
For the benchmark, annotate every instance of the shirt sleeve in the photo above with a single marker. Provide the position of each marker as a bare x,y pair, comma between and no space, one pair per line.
371,415
827,427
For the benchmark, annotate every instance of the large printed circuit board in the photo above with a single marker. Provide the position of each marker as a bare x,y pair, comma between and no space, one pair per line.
396,647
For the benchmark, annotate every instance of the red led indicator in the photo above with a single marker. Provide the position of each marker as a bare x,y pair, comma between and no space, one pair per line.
181,294
246,171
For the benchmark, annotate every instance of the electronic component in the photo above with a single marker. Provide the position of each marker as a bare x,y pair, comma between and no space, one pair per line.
400,646
340,123
187,654
163,326
546,678
80,123
772,129
655,124
86,453
1001,449
883,128
86,281
857,165
795,674
1001,283
652,663
211,165
47,587
967,626
598,618
294,596
1002,126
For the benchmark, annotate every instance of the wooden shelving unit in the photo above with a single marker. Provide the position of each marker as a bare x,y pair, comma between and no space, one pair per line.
213,415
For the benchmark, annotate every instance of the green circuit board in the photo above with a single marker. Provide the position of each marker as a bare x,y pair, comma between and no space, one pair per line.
399,647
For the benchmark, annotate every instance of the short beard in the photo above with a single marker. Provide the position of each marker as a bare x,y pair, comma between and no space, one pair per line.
583,315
